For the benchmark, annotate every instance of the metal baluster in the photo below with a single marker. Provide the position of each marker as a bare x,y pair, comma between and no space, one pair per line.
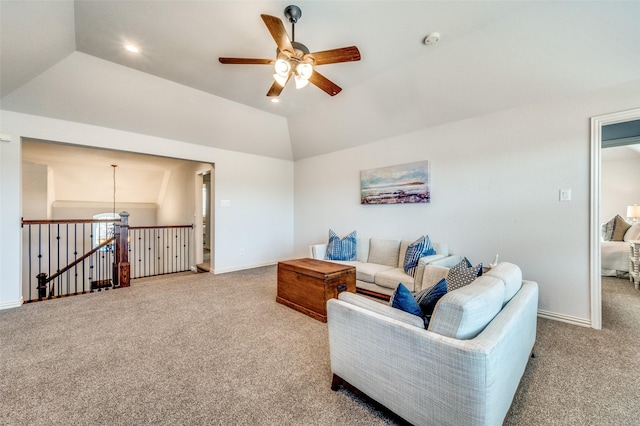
29,276
67,262
83,260
91,258
49,274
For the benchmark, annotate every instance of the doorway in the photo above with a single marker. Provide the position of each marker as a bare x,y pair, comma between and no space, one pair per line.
594,234
204,219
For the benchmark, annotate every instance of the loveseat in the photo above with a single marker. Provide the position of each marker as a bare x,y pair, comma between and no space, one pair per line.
463,370
379,264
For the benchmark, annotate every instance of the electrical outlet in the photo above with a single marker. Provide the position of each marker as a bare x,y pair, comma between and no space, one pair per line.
241,252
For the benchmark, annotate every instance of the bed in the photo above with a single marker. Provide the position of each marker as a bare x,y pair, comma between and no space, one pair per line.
614,251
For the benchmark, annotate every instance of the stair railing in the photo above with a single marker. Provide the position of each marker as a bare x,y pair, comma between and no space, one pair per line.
63,255
91,265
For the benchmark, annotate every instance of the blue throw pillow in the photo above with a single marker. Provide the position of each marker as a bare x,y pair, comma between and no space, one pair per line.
403,299
428,298
419,248
341,249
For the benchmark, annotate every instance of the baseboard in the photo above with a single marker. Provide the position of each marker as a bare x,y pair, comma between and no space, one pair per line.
564,318
9,305
243,267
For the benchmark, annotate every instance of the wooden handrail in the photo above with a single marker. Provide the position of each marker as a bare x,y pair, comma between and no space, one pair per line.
75,262
161,227
64,221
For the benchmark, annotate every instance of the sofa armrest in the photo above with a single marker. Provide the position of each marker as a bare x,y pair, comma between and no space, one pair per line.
400,366
318,251
448,262
381,308
431,275
420,282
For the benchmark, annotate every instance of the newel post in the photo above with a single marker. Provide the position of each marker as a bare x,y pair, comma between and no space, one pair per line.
122,249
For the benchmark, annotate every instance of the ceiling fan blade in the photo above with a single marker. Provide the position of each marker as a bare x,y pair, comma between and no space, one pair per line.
276,89
246,61
278,32
344,54
324,83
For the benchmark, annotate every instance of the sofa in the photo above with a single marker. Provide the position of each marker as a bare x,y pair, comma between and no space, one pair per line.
379,264
614,255
463,369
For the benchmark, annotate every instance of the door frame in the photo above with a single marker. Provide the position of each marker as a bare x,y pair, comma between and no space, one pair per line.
594,233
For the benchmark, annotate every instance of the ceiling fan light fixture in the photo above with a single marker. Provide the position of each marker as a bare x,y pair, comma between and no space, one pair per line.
304,70
282,67
281,80
300,82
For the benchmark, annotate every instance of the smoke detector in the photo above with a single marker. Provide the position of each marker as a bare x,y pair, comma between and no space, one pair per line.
431,38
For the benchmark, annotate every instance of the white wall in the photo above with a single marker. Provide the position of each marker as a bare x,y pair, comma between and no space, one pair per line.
140,214
35,191
261,190
495,189
620,184
10,209
177,206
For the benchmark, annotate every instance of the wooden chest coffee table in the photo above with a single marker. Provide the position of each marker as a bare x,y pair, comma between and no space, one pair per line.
306,284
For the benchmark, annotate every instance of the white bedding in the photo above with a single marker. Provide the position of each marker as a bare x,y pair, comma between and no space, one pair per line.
614,255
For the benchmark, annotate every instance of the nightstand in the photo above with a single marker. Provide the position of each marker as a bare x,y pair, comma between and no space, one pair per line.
634,262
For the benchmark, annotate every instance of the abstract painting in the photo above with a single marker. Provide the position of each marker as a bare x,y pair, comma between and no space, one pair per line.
404,183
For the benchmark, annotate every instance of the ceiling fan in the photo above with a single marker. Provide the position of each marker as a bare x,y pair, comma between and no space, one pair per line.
294,60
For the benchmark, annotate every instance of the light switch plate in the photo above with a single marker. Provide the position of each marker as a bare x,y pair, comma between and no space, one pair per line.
565,195
225,203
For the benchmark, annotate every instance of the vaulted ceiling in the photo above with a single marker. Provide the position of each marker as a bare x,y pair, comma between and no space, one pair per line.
65,59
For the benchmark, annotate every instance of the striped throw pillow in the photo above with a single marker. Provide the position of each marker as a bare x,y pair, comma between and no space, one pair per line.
417,249
615,229
341,248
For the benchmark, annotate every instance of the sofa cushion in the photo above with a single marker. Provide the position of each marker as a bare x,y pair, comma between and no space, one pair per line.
403,299
368,271
510,275
391,277
615,229
462,274
465,312
341,248
428,298
384,251
417,249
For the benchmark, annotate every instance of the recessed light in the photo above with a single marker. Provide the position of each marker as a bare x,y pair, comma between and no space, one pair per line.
132,48
275,100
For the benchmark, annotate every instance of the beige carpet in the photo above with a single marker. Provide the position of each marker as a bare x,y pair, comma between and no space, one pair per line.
217,349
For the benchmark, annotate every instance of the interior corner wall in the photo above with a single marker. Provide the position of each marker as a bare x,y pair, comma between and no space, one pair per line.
494,189
259,219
